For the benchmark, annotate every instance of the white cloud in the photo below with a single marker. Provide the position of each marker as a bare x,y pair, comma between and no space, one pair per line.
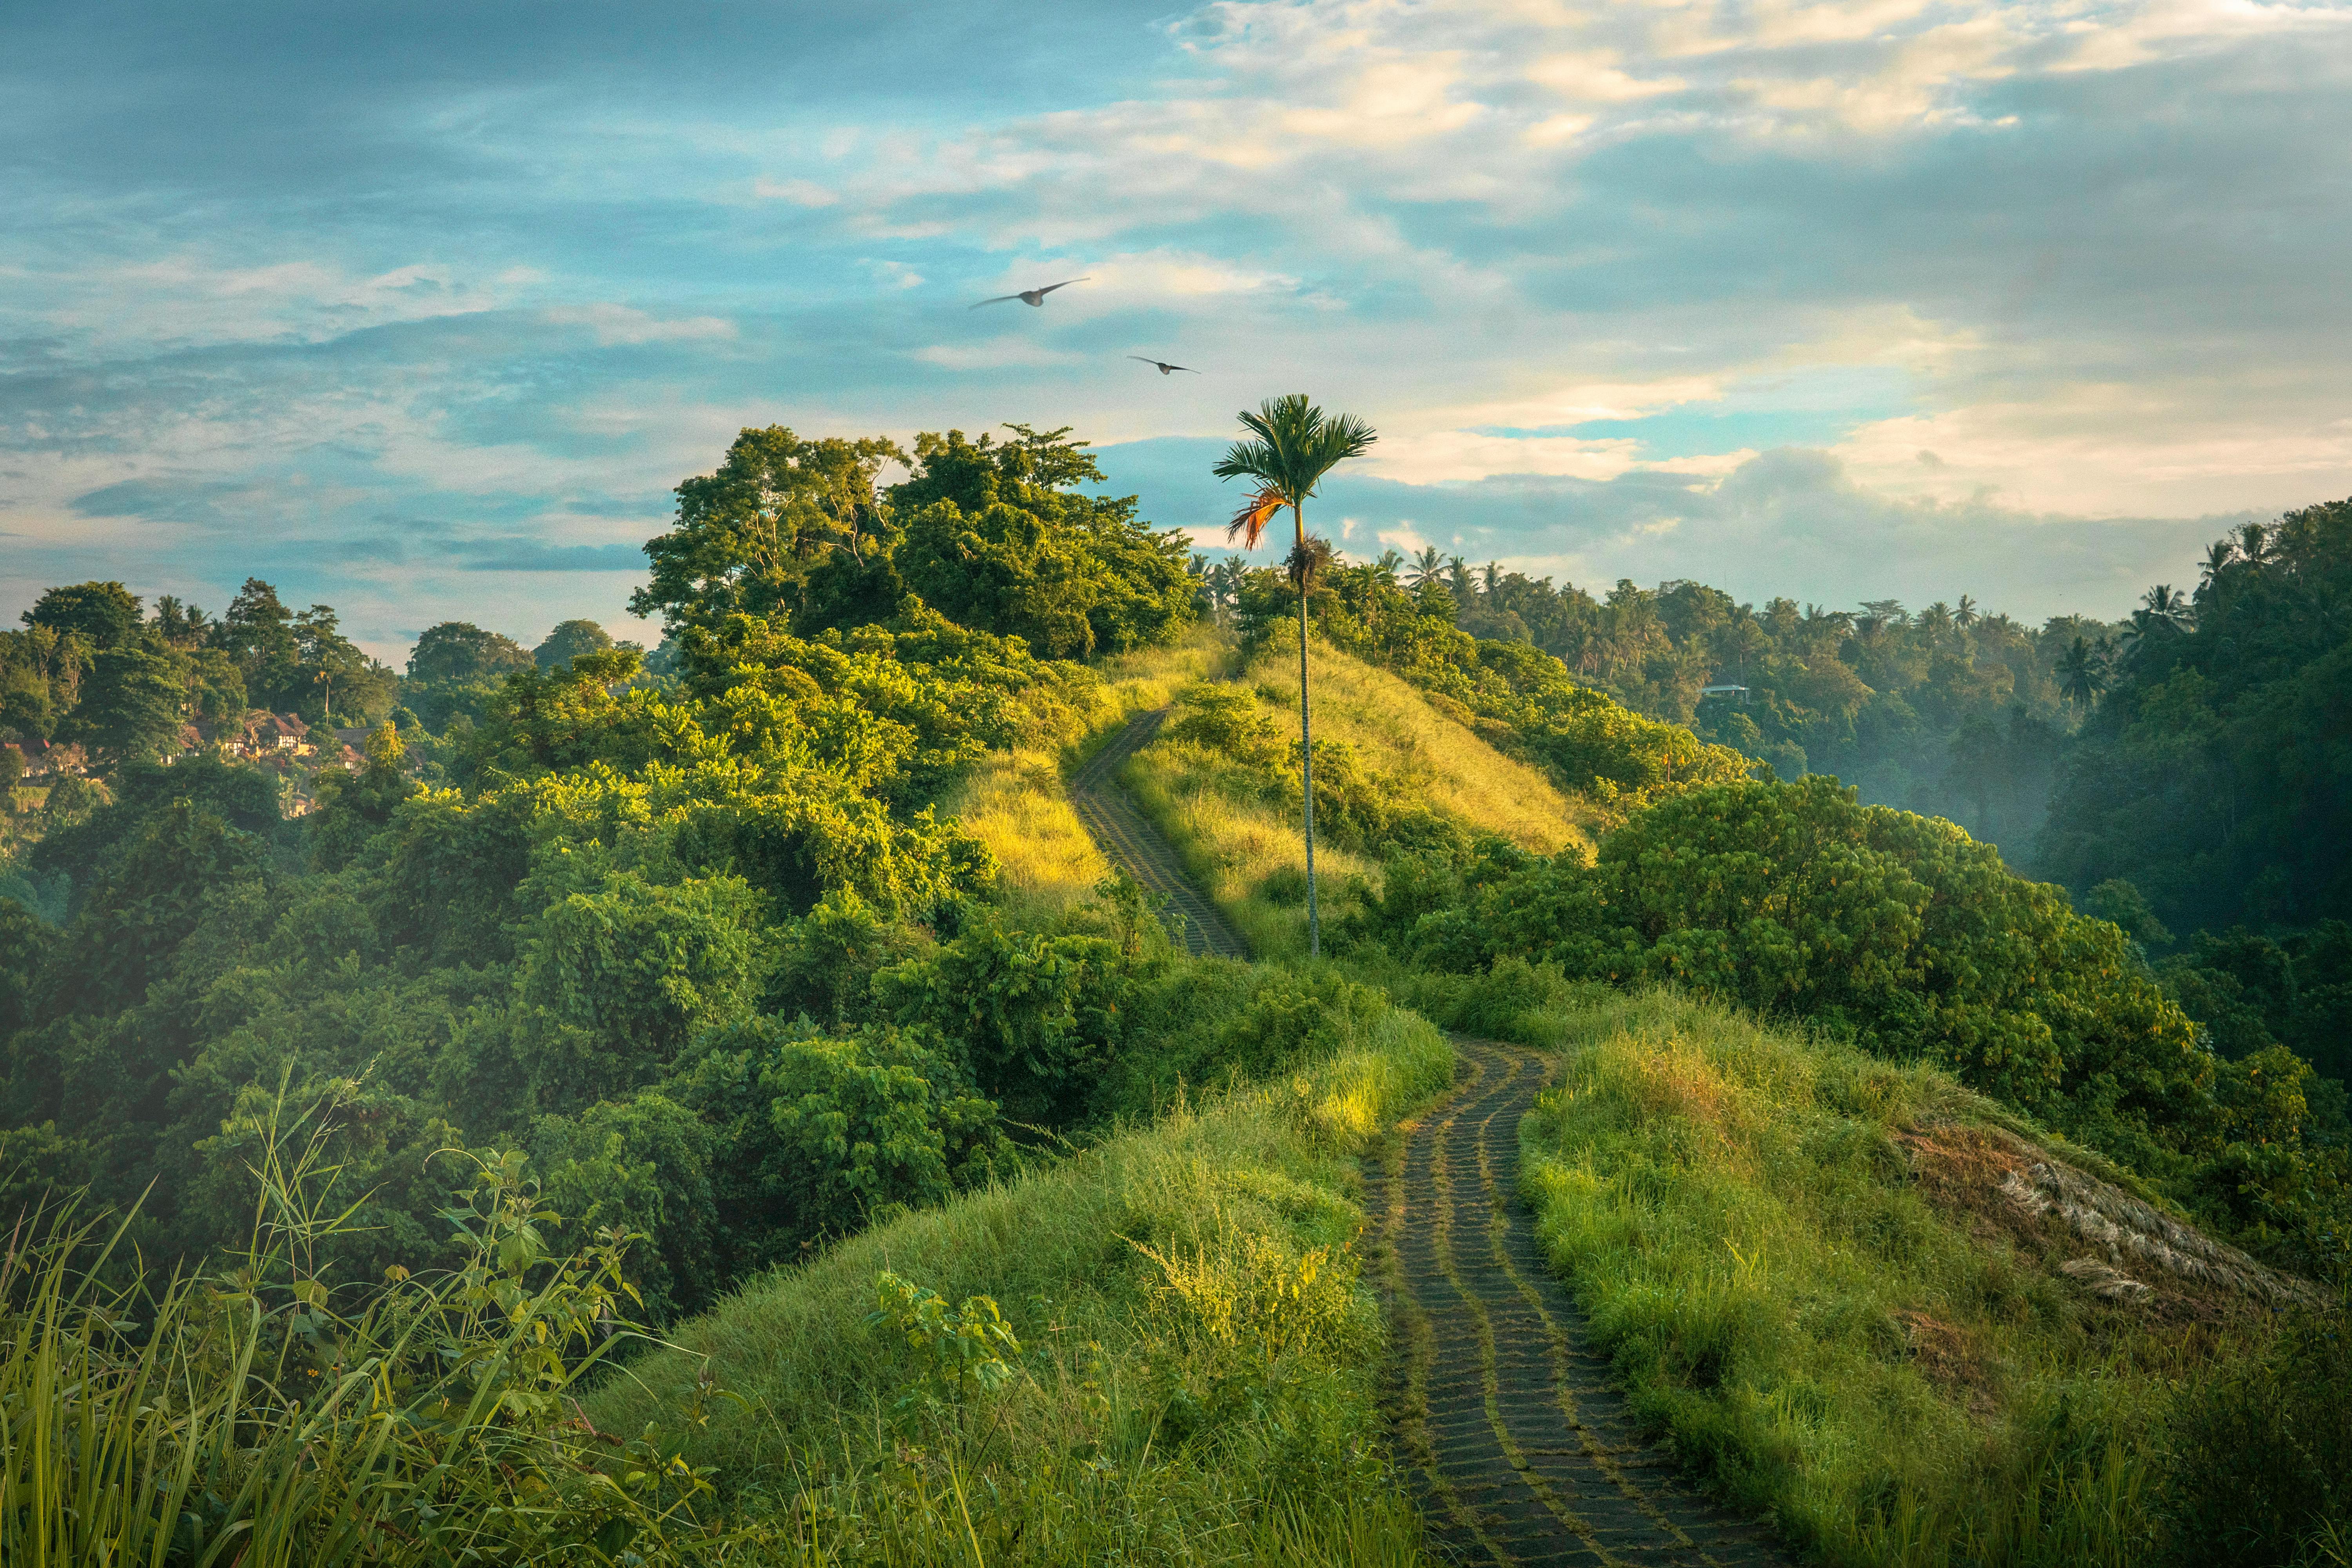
622,324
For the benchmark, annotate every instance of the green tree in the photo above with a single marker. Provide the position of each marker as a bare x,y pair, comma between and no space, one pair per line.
568,641
2083,674
130,704
998,537
749,535
460,650
103,615
1291,446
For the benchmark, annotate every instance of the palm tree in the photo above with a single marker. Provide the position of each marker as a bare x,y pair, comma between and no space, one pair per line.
2218,558
1457,576
1390,563
2082,673
1428,567
1489,575
1965,618
1292,445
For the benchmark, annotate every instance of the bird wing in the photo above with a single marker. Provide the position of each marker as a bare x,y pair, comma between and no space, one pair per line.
1000,300
1185,368
1065,283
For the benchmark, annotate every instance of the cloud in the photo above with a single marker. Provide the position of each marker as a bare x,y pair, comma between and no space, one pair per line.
1602,277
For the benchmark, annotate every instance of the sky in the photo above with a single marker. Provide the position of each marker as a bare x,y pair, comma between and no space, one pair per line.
421,311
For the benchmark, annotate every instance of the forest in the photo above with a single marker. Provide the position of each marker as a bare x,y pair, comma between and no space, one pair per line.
610,987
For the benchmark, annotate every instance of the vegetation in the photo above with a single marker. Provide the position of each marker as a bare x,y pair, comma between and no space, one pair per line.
1196,1360
1798,1255
764,994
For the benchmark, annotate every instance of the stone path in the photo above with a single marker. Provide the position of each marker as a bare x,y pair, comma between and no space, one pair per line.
1524,1456
1524,1453
1139,848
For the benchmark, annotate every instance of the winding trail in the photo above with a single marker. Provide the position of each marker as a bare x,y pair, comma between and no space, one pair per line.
1139,848
1524,1455
1523,1452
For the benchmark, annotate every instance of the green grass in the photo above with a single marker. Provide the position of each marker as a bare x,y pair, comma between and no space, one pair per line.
1014,801
1798,1257
1199,1357
1248,853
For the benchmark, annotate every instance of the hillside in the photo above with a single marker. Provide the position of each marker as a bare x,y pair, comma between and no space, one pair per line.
1392,768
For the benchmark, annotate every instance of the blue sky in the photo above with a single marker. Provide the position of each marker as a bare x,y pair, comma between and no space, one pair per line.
421,311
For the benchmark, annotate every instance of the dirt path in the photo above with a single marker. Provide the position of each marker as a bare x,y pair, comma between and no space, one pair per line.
1139,848
1524,1453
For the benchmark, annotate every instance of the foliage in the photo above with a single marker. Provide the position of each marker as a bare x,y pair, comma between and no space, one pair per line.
2210,775
260,1413
1798,903
1590,745
823,1134
997,537
1034,1015
460,650
750,535
958,1348
568,641
104,615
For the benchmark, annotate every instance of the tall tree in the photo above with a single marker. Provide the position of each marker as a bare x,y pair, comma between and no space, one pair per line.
1291,446
460,650
2082,673
749,535
568,641
130,704
103,615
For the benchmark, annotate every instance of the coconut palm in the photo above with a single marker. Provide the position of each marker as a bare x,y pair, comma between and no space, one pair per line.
1966,616
1292,445
2082,673
1428,567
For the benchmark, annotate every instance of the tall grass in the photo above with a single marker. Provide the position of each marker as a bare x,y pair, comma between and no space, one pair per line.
1896,1378
252,1414
1197,1364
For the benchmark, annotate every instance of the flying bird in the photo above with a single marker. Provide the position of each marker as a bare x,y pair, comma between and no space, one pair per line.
1031,296
1163,366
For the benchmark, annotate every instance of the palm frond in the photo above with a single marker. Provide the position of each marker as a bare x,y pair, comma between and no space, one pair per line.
1248,524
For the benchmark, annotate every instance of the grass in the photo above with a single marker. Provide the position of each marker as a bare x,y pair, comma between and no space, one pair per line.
1014,801
1247,851
1195,1377
1799,1259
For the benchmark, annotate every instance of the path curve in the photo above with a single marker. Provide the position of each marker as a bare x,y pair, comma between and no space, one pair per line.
1139,848
1523,1452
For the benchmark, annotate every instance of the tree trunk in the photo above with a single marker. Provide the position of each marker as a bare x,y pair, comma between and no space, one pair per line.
1307,745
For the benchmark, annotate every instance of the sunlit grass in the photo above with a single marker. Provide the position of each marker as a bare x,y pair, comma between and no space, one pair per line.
1015,803
1398,729
1249,852
1197,1382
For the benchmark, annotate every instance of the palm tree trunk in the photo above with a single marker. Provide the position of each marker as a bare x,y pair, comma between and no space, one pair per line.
1307,746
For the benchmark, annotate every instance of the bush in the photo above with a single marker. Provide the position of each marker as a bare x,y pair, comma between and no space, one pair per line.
2260,1469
